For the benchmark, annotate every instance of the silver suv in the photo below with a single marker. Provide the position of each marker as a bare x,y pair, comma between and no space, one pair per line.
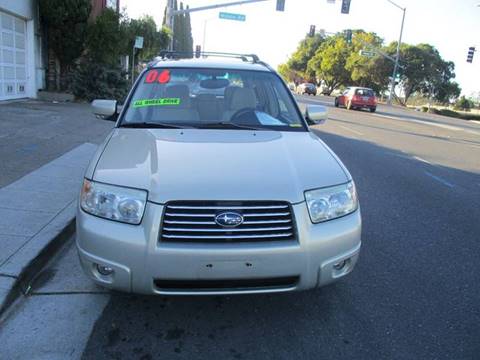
212,183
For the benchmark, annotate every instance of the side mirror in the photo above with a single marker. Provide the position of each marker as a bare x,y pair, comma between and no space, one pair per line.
316,114
105,109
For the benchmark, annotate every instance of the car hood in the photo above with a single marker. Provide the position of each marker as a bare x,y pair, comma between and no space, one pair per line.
195,164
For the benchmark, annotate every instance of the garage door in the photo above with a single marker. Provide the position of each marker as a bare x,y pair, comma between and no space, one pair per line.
13,70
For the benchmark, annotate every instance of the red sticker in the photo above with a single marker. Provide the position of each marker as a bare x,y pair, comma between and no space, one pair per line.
164,77
151,76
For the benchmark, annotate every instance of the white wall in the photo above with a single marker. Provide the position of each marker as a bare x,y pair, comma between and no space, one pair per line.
21,8
27,9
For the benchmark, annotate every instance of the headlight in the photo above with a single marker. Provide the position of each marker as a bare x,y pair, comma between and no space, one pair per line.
333,202
113,202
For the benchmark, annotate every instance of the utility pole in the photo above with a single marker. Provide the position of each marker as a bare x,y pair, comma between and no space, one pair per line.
397,58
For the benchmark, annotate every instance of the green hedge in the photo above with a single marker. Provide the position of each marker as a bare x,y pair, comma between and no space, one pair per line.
91,80
451,113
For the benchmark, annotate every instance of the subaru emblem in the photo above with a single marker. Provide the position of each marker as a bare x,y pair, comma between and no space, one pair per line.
229,219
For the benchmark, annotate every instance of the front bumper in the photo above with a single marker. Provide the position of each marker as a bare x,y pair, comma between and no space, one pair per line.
139,260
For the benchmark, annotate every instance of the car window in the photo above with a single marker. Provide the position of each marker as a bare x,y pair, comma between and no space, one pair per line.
198,97
364,92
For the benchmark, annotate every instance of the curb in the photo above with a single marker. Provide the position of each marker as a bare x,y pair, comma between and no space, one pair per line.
36,254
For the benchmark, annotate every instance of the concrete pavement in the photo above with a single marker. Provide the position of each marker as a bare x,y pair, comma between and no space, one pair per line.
36,212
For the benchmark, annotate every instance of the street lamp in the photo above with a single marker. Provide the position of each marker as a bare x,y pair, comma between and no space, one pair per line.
395,67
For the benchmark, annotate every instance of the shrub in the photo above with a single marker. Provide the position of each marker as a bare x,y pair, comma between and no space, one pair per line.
463,104
92,80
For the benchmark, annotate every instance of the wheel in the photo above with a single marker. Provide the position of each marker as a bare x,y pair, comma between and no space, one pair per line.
336,102
349,105
372,110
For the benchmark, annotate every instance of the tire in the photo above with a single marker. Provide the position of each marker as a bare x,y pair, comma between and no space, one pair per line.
336,102
372,110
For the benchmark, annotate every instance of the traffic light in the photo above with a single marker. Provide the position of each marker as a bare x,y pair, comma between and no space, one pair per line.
280,5
198,50
311,33
471,51
348,36
345,6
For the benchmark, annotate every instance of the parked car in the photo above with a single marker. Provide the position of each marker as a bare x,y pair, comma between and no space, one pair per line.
213,194
307,88
291,86
357,98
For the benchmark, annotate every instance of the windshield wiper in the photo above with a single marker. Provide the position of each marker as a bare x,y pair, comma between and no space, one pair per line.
222,124
152,125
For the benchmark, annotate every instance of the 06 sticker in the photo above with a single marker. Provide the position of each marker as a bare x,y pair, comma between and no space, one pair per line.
153,76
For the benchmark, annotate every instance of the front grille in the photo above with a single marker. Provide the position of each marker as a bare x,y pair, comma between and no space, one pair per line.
194,221
227,284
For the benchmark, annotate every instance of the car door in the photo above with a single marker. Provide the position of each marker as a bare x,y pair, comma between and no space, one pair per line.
341,98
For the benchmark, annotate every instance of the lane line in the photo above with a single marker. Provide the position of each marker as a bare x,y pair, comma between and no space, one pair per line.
440,180
422,160
348,129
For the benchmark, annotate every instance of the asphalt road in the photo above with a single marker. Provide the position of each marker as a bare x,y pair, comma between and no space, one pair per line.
33,133
415,293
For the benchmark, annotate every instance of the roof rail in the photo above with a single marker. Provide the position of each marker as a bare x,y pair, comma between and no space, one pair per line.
164,55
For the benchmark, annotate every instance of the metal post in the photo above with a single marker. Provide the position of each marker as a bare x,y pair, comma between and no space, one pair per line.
170,18
397,58
133,64
204,34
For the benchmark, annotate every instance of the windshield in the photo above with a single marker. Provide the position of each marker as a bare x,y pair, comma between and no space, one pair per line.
364,92
206,98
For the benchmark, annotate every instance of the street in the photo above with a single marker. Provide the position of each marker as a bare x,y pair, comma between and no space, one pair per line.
414,294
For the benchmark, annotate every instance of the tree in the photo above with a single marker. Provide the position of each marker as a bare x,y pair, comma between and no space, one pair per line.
366,71
297,64
66,26
424,71
447,92
463,104
104,38
329,62
154,40
287,73
182,32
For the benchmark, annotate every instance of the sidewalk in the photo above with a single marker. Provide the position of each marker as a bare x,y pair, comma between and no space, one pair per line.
37,215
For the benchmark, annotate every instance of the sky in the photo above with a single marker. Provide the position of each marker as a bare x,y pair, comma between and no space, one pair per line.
452,26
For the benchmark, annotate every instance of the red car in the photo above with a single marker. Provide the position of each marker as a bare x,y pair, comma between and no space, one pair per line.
357,98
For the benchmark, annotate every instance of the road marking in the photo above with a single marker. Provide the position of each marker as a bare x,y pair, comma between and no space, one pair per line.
439,179
348,129
422,160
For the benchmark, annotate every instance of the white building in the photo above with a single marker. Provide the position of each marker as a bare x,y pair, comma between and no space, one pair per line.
22,69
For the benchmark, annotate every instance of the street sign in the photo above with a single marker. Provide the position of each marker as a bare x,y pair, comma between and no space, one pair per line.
280,5
232,16
345,6
367,53
138,42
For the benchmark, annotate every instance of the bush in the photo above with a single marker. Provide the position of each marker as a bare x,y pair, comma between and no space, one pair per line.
463,104
454,114
424,108
91,80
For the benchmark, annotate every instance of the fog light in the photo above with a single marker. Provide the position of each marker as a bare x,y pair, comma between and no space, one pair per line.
340,265
104,270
